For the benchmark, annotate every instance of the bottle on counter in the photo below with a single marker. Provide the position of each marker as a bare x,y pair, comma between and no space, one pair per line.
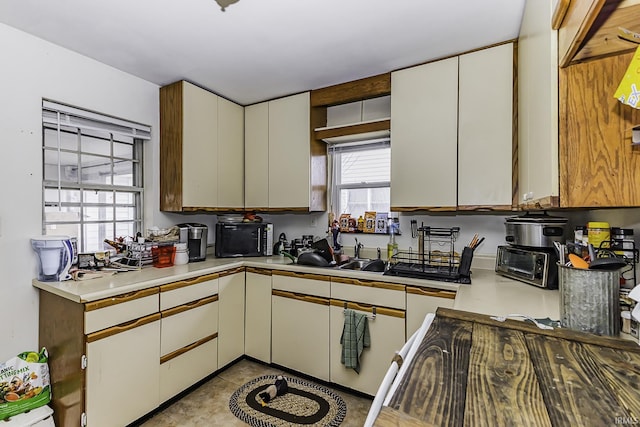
392,246
599,234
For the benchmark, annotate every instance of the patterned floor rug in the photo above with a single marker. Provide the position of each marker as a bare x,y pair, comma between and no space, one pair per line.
304,404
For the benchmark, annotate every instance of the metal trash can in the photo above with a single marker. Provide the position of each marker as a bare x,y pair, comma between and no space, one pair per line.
590,300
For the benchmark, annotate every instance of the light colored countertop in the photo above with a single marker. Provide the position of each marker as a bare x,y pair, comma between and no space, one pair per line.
488,292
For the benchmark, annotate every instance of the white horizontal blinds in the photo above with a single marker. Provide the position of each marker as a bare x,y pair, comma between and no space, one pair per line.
361,177
53,112
92,175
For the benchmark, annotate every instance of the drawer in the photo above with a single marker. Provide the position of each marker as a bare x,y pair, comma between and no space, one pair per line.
370,292
186,324
302,283
113,311
184,291
187,366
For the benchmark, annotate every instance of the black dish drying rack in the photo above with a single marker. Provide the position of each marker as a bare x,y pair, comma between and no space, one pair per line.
436,258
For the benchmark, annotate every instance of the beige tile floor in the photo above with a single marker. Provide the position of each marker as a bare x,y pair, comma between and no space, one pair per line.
208,405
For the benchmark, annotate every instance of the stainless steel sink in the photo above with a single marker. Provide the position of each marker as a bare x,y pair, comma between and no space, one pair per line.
362,264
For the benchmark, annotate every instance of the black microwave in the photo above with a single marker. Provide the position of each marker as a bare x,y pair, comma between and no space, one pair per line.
243,239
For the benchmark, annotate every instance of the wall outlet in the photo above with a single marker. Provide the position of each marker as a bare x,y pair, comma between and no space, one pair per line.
314,222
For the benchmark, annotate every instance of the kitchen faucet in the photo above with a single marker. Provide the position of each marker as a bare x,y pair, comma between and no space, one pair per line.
356,250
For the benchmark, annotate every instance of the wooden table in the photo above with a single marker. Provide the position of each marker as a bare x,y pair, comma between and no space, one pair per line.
474,371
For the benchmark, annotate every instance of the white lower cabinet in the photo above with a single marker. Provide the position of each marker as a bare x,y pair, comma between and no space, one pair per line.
231,316
386,329
257,334
422,301
122,376
300,333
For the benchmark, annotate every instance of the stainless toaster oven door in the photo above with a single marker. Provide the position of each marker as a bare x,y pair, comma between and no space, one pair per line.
521,264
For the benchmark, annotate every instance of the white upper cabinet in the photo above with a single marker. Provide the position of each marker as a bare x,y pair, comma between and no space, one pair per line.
199,147
230,154
485,128
256,156
424,127
201,150
538,107
289,152
278,156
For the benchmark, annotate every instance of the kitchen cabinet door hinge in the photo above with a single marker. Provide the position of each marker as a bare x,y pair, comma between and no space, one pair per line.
83,362
83,418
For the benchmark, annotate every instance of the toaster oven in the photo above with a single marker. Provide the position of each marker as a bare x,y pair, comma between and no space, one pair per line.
536,267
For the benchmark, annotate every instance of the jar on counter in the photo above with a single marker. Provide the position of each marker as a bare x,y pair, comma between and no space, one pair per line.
181,256
599,234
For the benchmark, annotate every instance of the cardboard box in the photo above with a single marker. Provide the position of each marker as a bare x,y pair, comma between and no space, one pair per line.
381,223
369,222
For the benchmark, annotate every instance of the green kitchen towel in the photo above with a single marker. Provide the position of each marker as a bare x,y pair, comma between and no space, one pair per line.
355,337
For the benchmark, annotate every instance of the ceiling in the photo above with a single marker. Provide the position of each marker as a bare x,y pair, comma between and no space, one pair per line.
262,49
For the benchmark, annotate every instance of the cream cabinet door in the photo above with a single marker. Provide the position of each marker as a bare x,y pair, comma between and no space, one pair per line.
231,318
300,334
290,152
200,147
117,366
485,128
538,168
424,127
257,336
256,156
230,157
387,337
422,301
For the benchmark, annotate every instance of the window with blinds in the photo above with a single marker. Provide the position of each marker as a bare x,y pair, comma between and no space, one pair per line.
361,178
92,185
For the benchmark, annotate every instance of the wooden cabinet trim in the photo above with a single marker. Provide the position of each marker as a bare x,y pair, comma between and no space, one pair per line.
257,270
380,125
122,328
232,271
187,348
369,308
171,124
301,275
188,282
431,292
357,90
300,297
119,299
369,283
189,306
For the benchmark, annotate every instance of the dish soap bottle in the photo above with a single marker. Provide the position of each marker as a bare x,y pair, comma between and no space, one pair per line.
392,246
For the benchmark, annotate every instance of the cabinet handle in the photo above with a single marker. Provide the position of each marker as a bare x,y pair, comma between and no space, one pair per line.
369,283
256,270
385,311
232,271
189,306
119,299
188,282
301,275
187,348
300,297
122,328
431,292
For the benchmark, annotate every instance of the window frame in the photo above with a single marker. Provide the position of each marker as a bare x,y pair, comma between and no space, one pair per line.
335,151
82,123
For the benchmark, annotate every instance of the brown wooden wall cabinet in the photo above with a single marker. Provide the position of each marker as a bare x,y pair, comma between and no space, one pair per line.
598,165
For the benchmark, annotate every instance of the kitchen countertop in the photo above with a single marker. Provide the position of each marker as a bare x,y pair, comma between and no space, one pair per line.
488,292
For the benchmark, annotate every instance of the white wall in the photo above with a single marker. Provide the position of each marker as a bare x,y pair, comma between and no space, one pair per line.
33,69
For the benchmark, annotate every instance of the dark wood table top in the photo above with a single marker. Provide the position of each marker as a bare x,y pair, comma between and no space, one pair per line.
471,370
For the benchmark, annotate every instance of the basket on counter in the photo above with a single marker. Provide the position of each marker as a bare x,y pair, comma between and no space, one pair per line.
163,256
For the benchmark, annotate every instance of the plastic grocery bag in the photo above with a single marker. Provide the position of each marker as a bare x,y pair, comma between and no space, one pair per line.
629,89
24,383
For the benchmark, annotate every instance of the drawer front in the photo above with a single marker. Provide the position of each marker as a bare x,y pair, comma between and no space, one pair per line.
302,284
178,293
181,372
188,326
369,295
118,313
